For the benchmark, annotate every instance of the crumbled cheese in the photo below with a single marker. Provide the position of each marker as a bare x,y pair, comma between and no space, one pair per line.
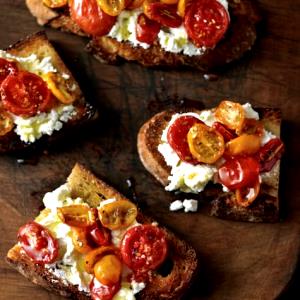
176,205
125,293
208,117
137,286
190,205
266,137
250,113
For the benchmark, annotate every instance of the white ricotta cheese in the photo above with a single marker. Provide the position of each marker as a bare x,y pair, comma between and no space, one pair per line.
250,113
190,205
137,286
176,205
267,136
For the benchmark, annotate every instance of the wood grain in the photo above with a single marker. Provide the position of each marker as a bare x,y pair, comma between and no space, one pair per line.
239,260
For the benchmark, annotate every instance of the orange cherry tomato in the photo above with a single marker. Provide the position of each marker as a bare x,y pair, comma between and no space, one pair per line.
206,144
108,269
55,3
135,4
80,241
6,123
251,126
230,114
182,5
112,7
245,196
245,144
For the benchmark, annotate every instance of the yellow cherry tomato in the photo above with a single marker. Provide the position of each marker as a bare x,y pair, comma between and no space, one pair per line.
245,196
251,126
205,143
108,269
55,3
117,214
246,144
112,7
6,122
80,241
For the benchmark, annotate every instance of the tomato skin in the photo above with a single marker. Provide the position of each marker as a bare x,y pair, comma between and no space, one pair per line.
100,235
100,291
251,126
38,243
90,17
143,247
245,144
146,30
239,172
177,137
134,4
226,132
246,195
7,67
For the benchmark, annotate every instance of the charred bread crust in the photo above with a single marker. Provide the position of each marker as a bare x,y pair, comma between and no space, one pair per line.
39,44
240,38
264,209
184,262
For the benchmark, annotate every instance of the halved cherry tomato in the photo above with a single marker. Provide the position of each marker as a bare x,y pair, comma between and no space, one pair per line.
38,243
206,22
108,269
226,133
78,215
6,123
144,247
100,235
164,14
239,172
135,4
112,7
246,195
269,154
100,291
88,15
25,93
7,67
182,5
251,126
177,137
55,3
245,144
80,240
146,30
117,214
230,114
205,143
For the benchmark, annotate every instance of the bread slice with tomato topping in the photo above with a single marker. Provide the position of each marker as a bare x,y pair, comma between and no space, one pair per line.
200,34
241,182
61,253
40,98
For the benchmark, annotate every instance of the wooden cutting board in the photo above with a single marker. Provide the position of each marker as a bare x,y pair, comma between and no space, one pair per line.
238,260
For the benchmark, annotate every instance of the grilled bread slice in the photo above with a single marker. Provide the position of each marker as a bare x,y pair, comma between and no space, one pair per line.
173,285
39,45
239,39
264,209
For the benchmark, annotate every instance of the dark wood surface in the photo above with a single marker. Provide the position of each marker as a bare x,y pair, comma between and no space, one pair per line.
238,260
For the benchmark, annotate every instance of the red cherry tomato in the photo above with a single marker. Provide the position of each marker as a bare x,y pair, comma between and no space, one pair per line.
206,22
38,243
146,30
100,235
6,68
100,291
90,17
269,154
177,137
143,247
25,93
226,133
239,172
164,14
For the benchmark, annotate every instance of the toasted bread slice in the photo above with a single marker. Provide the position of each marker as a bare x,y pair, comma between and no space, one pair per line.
264,209
239,39
167,286
39,45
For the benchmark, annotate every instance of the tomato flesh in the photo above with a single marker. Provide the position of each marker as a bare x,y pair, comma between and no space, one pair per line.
100,291
226,132
246,195
6,68
100,235
146,30
206,22
144,247
38,243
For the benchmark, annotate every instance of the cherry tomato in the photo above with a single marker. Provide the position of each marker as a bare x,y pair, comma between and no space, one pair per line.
205,143
135,4
6,68
146,30
100,235
230,114
90,17
169,1
239,172
246,195
117,214
164,14
100,291
38,243
269,154
182,5
112,7
251,126
80,240
177,137
144,247
6,123
245,144
206,22
226,133
55,3
25,94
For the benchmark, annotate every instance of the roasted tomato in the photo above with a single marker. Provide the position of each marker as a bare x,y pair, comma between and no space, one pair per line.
206,22
6,122
251,126
6,68
25,94
245,144
182,5
169,1
55,3
146,30
230,114
88,15
100,291
112,7
239,172
144,247
164,14
135,4
206,144
226,133
80,240
100,235
177,137
246,195
38,243
269,154
118,214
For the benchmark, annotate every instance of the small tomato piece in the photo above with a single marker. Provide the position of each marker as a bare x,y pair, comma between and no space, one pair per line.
135,4
6,123
251,126
7,67
100,291
80,240
226,133
100,235
169,1
181,7
245,144
146,30
112,7
246,195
